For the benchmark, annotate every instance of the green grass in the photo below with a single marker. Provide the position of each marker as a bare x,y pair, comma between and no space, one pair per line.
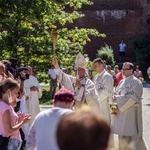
45,99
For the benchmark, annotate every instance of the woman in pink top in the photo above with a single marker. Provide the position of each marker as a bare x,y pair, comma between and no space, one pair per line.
10,122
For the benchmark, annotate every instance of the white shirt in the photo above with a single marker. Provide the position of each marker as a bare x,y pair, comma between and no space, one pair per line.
24,110
148,70
43,130
122,47
52,73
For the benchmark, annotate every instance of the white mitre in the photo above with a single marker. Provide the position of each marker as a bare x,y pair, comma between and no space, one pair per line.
81,62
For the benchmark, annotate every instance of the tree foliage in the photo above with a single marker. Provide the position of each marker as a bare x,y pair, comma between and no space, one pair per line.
142,48
26,27
106,53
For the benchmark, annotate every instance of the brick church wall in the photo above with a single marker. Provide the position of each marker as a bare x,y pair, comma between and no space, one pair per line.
119,20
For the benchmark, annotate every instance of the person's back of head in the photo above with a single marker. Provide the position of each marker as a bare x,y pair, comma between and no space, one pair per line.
83,130
64,98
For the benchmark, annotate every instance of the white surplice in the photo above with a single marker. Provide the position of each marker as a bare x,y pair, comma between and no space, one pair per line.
33,101
128,121
86,94
104,86
24,110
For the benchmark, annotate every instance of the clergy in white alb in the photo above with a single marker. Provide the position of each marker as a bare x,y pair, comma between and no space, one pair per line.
33,92
127,123
104,85
81,85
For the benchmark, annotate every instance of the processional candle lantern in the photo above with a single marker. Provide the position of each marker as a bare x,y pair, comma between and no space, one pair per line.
54,39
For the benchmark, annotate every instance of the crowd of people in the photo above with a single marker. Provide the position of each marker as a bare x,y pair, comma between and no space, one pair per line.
121,87
19,104
81,117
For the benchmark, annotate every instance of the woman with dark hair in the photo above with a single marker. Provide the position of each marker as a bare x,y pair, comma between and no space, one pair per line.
10,122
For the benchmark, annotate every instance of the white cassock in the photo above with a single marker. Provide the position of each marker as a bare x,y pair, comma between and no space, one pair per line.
86,94
104,86
33,101
128,120
24,110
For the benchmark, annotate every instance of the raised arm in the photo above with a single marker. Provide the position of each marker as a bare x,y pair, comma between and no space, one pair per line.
55,63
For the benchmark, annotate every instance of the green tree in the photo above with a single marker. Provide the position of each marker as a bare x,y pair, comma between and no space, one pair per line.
106,53
142,49
26,27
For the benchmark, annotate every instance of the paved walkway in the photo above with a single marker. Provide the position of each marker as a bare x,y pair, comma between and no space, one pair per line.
146,113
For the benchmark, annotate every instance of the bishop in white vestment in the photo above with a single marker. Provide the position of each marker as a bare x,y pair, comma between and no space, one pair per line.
81,85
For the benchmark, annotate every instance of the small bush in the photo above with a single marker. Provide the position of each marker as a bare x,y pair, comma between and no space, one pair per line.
106,53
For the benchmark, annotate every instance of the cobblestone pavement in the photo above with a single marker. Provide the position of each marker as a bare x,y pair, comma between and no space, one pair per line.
146,113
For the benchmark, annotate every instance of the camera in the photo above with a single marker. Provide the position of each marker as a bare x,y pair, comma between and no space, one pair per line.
19,74
11,66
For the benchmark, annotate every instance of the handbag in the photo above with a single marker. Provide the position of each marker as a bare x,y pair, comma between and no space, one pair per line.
4,142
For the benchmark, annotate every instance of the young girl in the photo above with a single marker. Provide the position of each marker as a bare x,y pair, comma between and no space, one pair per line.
10,122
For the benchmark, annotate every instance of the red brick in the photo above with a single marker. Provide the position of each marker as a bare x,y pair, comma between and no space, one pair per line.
119,20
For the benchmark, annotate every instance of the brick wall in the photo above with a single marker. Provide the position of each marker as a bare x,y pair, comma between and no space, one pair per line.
115,4
119,20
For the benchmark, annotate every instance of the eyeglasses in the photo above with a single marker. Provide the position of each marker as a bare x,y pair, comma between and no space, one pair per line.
126,69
